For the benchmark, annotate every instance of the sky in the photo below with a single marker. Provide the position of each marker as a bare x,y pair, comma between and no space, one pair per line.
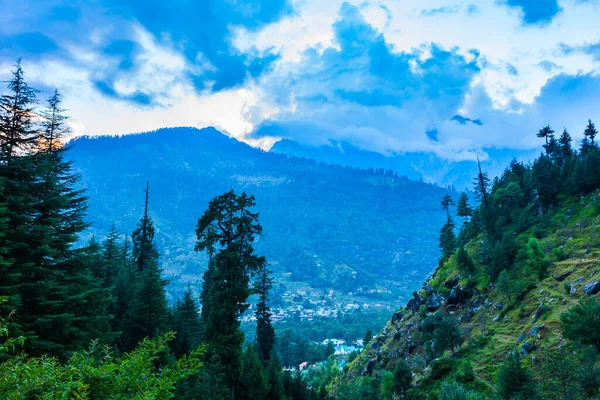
448,77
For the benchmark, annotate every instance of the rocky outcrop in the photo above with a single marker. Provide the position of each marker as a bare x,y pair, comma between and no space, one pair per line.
433,303
415,303
592,288
563,276
396,318
457,296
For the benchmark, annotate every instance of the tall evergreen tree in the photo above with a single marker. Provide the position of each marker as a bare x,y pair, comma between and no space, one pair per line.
482,183
149,313
17,176
227,229
589,136
446,203
187,325
463,209
265,334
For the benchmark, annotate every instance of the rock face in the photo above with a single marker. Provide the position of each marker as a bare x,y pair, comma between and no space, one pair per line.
396,318
563,276
433,303
592,288
540,310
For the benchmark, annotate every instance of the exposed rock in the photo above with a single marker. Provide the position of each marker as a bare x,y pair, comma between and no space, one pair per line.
457,296
397,317
521,338
563,276
370,368
433,303
499,306
397,335
588,251
534,331
540,310
533,360
592,288
476,305
451,284
572,290
525,349
578,280
415,303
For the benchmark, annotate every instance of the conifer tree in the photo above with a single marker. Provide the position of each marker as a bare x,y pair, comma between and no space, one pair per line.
265,334
17,175
446,203
227,229
482,183
463,209
187,325
589,136
148,312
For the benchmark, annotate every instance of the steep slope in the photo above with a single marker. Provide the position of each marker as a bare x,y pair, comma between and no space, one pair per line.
322,223
529,256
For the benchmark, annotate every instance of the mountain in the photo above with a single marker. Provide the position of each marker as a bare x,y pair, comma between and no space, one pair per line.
512,311
414,165
361,233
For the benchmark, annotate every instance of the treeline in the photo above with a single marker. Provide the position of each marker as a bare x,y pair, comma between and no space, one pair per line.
93,321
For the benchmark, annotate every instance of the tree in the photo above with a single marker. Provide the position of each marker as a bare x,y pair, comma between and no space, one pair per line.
265,334
454,391
253,384
465,264
463,208
227,229
187,325
546,133
368,337
503,284
589,135
447,240
148,312
446,203
482,183
402,377
447,335
560,370
582,323
565,145
513,381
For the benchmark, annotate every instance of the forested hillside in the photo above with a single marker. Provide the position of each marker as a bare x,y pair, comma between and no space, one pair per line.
327,226
512,310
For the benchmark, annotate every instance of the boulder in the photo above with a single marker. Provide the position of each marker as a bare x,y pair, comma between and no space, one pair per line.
534,331
415,303
397,335
499,306
564,275
433,303
457,296
520,338
451,284
476,305
540,310
370,368
591,288
525,349
396,318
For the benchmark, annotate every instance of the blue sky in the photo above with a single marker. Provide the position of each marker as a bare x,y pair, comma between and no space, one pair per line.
383,75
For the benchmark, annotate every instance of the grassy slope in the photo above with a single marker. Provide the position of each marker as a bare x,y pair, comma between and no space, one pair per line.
574,227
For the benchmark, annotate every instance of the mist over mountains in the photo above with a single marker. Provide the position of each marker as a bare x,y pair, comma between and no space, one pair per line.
329,226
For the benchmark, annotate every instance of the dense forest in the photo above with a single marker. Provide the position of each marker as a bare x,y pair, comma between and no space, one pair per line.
512,310
323,224
93,321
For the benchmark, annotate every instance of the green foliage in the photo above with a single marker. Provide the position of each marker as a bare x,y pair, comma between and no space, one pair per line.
368,337
514,381
582,323
96,374
265,333
454,391
442,331
465,264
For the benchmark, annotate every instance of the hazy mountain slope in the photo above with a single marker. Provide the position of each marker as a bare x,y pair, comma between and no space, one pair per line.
426,166
325,225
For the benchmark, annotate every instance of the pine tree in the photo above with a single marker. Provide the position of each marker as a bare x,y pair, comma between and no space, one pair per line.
148,312
229,225
463,208
589,136
17,176
446,203
482,183
265,334
187,325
